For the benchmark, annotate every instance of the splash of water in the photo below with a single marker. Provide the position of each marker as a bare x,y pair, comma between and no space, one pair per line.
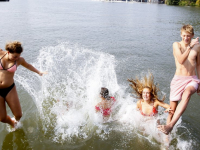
67,95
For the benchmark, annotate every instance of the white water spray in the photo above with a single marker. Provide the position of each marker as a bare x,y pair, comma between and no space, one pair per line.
67,95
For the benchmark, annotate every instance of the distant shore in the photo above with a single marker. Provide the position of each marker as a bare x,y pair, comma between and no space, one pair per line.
145,1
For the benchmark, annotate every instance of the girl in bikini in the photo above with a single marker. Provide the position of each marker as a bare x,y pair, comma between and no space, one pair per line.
9,61
105,105
146,90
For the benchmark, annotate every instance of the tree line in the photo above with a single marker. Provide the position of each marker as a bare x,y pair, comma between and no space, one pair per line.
183,2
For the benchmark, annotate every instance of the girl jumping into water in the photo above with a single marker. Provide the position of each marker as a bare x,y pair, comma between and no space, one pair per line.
106,103
9,62
146,91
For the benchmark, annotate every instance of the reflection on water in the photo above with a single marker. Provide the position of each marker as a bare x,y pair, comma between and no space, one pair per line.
16,140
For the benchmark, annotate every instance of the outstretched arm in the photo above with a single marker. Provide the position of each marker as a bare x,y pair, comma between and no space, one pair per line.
30,67
164,105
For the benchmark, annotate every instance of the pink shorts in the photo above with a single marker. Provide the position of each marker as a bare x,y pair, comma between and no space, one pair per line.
179,84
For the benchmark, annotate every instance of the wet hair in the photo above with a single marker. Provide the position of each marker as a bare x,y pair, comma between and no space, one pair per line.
14,47
188,28
146,82
105,93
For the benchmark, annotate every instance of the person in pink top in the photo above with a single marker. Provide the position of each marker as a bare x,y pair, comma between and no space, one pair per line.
105,105
9,61
185,81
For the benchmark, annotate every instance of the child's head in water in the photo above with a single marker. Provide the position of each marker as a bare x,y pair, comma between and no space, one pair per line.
104,93
106,103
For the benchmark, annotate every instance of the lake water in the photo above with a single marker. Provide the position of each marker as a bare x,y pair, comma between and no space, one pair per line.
85,45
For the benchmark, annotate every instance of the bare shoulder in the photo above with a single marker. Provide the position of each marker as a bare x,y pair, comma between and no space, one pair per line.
20,60
157,102
176,45
139,103
99,104
2,52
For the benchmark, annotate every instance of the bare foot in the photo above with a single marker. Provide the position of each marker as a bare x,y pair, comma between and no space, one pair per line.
165,129
14,122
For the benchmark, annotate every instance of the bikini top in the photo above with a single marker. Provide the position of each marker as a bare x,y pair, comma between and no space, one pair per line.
106,111
153,113
13,68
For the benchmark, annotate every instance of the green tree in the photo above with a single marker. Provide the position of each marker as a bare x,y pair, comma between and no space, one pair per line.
198,3
172,2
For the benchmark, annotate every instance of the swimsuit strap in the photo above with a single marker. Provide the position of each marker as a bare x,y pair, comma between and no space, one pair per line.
113,98
12,65
3,56
10,69
0,61
154,110
97,107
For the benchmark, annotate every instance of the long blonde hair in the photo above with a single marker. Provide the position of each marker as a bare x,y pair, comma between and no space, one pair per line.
146,82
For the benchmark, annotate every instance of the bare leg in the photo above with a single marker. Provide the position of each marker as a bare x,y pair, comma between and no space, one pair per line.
173,105
14,104
179,110
3,114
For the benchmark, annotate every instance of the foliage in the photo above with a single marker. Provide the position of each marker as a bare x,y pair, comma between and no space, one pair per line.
183,2
172,2
198,3
192,4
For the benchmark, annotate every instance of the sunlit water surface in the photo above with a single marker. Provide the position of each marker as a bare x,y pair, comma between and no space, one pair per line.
85,45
